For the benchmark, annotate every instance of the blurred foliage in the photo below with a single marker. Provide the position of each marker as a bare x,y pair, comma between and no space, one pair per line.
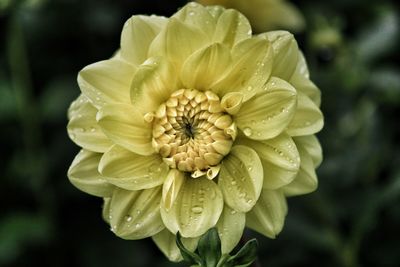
352,220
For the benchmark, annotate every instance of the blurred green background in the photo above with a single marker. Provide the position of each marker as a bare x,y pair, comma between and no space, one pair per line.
353,219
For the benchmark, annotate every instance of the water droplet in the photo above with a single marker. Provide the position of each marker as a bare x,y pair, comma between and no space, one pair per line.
273,83
242,195
137,225
92,129
72,136
233,212
233,182
128,218
110,217
247,131
307,123
284,110
197,209
82,130
191,13
249,88
249,32
250,168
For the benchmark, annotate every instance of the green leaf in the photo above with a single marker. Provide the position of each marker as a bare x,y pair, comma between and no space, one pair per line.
245,256
187,255
210,247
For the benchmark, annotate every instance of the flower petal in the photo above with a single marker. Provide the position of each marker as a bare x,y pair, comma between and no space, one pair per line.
126,127
83,128
106,209
83,174
232,27
177,41
136,214
308,118
197,16
205,67
171,187
153,84
166,242
137,35
268,113
241,178
230,228
107,81
285,51
312,146
131,171
306,180
251,68
279,157
196,209
301,81
268,215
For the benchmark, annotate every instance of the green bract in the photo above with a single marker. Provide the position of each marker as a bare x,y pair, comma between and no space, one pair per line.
195,123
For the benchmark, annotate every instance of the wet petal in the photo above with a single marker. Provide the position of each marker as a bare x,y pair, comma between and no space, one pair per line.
251,68
107,81
286,53
125,126
131,171
230,228
83,128
232,27
177,41
83,174
166,242
137,35
196,209
306,180
308,118
241,178
312,146
153,84
268,215
268,113
279,157
205,67
171,187
136,214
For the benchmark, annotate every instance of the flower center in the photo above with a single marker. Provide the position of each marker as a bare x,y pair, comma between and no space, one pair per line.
192,132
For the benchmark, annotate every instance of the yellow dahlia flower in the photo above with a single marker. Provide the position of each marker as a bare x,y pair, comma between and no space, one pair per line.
196,123
265,15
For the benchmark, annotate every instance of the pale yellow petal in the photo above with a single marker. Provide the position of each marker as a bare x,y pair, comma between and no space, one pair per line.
125,126
268,215
177,41
172,186
308,118
83,128
268,113
107,81
198,17
286,53
230,228
137,35
153,84
312,146
206,66
251,68
106,209
166,242
301,81
306,180
279,157
232,27
131,171
136,214
196,209
241,178
83,174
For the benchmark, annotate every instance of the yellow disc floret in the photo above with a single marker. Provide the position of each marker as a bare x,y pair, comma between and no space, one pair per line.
192,132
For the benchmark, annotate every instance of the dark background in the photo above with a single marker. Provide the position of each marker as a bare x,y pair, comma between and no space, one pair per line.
353,219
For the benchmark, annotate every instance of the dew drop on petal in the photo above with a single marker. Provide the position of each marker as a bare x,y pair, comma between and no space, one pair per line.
128,218
197,209
247,131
